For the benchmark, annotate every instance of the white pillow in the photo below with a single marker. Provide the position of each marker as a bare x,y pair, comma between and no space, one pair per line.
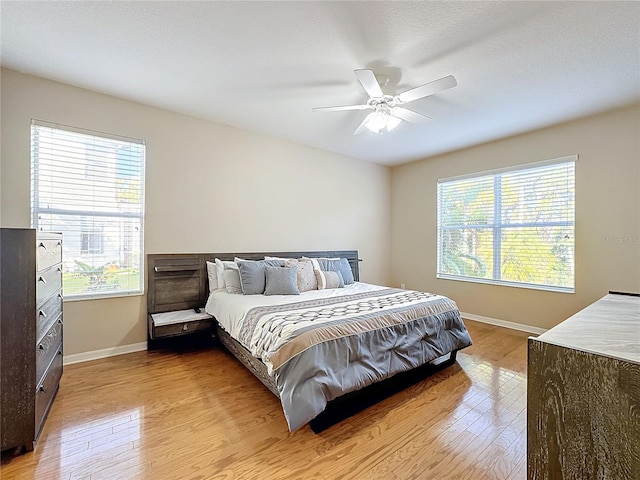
213,276
220,265
278,258
232,280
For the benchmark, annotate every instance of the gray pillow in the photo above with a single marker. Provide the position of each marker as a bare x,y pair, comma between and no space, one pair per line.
345,269
232,280
281,281
252,276
338,265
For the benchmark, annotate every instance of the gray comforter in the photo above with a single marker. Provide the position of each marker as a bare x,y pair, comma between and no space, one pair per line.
320,349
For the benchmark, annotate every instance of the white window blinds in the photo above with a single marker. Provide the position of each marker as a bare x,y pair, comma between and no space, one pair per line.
90,187
510,227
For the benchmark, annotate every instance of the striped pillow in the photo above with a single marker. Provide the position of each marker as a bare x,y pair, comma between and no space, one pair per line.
328,279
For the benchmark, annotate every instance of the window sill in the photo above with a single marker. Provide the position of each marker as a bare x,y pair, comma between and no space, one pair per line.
486,281
103,296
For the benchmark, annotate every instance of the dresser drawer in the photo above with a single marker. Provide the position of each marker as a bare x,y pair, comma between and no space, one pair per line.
46,391
48,314
49,252
47,283
50,345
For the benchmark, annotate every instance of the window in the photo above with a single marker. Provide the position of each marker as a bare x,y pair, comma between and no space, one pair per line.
510,227
90,187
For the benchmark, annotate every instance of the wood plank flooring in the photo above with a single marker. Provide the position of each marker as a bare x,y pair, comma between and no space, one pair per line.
201,415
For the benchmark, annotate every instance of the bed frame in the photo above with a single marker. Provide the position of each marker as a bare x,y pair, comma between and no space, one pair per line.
180,282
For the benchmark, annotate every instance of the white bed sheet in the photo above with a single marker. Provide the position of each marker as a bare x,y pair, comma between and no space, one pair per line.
229,309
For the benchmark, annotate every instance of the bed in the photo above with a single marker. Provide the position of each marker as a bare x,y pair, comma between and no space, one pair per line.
320,346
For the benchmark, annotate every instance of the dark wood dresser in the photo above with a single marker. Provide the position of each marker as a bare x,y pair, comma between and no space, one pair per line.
583,395
31,332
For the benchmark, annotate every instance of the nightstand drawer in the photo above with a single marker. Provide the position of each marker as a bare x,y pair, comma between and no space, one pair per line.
48,282
183,328
49,346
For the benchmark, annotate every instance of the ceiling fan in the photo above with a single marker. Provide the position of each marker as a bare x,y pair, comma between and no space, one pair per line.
388,110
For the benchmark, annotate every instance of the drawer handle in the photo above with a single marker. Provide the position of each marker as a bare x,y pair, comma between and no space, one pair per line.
42,314
42,245
42,389
41,279
40,347
185,327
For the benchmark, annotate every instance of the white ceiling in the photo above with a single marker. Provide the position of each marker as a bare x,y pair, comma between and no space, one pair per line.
262,66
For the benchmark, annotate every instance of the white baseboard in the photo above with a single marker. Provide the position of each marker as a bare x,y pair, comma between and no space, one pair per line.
105,352
504,323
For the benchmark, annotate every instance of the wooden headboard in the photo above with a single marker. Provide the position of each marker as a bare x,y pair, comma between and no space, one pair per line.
180,282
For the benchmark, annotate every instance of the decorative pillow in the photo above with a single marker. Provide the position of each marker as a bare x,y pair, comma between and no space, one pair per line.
329,279
232,280
314,262
212,274
340,265
252,276
306,278
281,281
220,266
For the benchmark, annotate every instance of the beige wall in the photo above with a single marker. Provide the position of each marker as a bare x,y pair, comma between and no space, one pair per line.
209,187
607,217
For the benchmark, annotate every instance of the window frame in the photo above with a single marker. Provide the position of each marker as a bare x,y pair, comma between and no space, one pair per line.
92,231
498,227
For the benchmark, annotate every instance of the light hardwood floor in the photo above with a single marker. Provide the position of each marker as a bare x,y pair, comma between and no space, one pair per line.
201,415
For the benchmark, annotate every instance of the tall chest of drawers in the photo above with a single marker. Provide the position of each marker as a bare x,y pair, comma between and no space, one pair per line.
31,332
48,342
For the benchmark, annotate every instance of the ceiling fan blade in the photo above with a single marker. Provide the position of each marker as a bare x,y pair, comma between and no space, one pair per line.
361,128
408,115
427,89
369,82
340,108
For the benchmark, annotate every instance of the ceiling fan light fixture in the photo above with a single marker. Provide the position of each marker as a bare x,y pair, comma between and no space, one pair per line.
376,122
392,122
381,121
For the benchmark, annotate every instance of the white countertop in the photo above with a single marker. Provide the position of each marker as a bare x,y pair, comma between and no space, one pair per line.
178,316
610,327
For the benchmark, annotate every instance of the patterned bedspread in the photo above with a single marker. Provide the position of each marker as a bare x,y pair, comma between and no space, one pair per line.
320,349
